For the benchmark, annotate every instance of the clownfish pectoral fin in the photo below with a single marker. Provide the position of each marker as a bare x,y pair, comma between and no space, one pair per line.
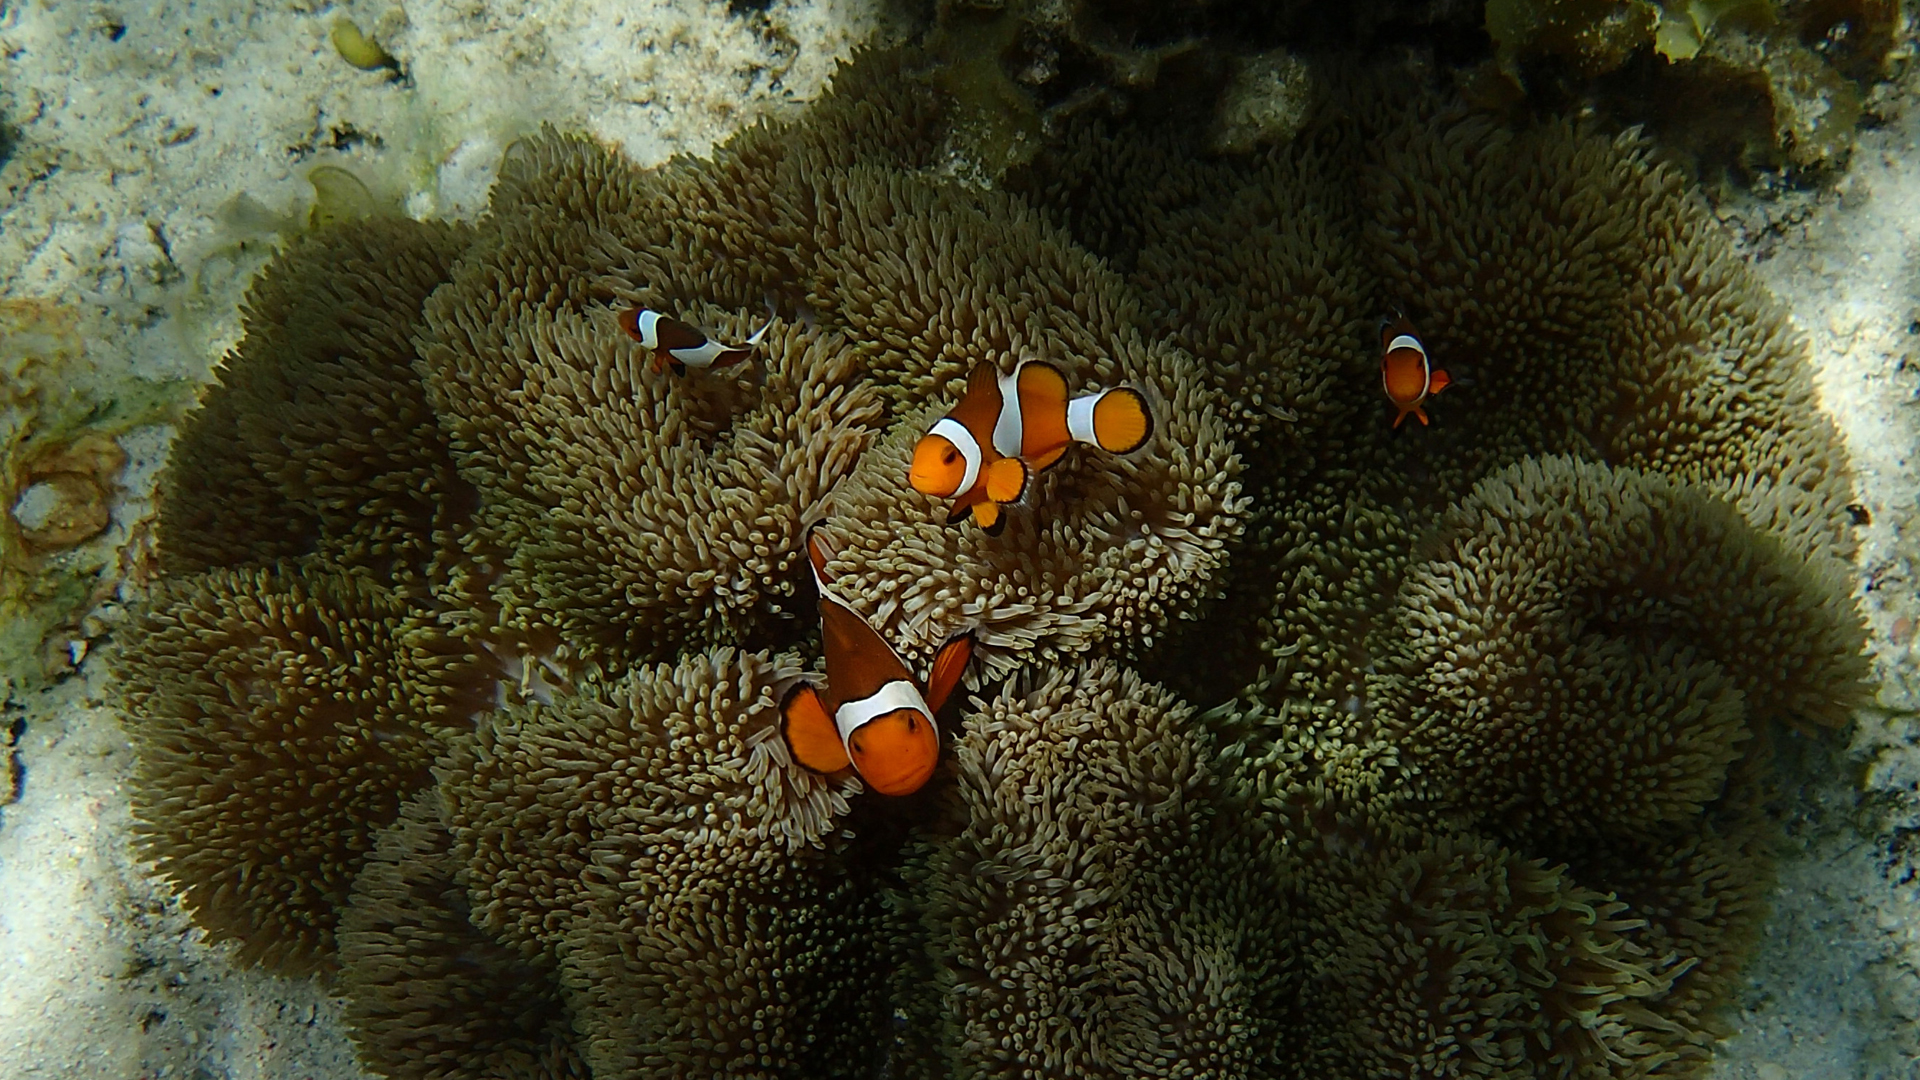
949,664
1005,480
811,735
1438,381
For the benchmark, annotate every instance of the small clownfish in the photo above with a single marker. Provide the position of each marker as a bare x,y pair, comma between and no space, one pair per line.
1409,377
872,714
674,342
1007,427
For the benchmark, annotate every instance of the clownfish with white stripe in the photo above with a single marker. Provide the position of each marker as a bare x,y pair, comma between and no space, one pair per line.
1409,377
681,345
1008,427
872,715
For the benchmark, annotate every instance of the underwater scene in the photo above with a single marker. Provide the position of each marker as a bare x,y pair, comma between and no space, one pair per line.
924,539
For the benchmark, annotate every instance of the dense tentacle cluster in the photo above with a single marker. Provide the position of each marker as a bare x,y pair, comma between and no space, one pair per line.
1479,784
282,716
697,919
431,995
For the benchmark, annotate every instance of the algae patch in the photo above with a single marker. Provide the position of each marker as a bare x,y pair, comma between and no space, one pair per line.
60,415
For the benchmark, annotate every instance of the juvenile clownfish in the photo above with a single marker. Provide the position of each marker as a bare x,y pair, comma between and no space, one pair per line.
674,342
1008,427
1409,377
872,714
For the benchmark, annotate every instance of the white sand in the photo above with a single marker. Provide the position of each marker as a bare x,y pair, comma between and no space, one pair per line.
152,166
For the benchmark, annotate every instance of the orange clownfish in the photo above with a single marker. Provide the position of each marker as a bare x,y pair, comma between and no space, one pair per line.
872,715
1006,427
674,342
1405,371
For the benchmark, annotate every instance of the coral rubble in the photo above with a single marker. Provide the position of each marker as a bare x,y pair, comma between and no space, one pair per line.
464,676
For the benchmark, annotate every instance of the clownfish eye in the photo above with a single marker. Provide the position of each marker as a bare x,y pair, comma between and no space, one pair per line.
949,456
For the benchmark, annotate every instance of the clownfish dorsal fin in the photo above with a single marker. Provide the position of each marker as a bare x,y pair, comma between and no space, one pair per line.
949,664
817,554
812,738
983,379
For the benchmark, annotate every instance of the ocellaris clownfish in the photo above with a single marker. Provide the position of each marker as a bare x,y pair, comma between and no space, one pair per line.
674,342
1409,377
872,715
984,453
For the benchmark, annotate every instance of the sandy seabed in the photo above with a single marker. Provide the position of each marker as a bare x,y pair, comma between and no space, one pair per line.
151,154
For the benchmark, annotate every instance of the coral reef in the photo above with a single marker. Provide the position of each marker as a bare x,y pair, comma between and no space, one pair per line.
1751,83
478,703
1740,89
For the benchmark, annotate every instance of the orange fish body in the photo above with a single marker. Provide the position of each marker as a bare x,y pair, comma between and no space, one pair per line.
682,345
873,716
1008,427
1405,371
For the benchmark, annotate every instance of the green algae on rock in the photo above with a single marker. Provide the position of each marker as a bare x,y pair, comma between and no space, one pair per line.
570,589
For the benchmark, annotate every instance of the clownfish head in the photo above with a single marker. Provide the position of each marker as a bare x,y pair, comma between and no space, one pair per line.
896,751
938,467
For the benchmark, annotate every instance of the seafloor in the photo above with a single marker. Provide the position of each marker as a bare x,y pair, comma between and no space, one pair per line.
149,157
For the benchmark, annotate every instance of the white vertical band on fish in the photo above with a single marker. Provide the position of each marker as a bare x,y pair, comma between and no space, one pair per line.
956,433
1080,418
1008,428
851,716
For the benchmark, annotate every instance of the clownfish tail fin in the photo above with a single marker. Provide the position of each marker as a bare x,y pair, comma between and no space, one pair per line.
949,664
1117,420
812,738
